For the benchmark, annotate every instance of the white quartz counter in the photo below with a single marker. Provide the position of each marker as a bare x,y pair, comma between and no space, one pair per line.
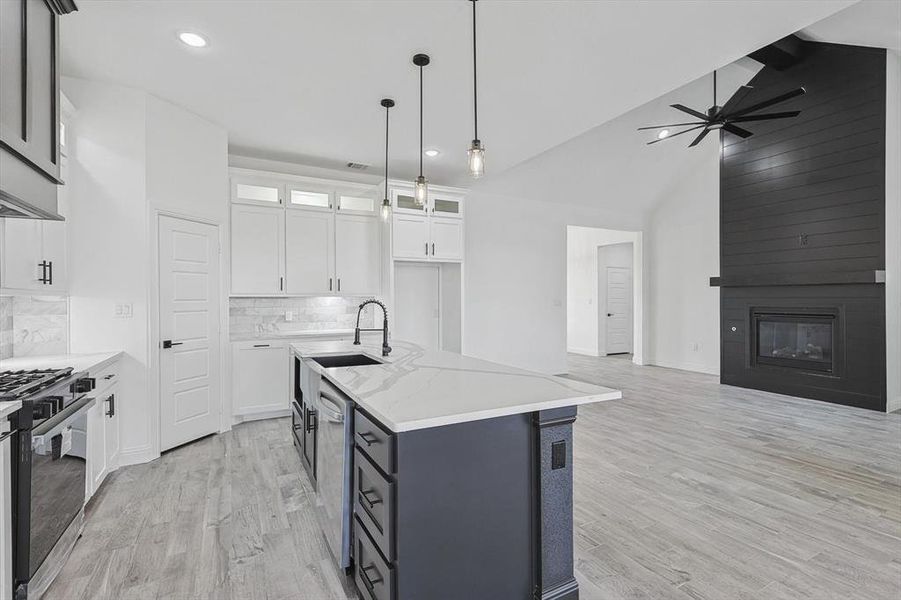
79,362
417,388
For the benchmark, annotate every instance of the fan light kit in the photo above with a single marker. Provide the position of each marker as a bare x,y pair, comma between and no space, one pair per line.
194,40
719,118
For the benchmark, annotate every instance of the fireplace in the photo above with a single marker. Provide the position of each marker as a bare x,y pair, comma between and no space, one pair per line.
794,340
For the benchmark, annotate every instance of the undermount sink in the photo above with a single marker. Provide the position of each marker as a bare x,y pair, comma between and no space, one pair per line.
345,360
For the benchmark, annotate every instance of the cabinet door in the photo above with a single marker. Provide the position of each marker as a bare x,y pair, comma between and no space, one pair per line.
357,253
309,250
446,205
447,238
96,446
257,243
21,254
411,236
111,429
260,377
53,238
254,190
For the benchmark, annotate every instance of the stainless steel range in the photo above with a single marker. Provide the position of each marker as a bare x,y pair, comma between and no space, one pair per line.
49,457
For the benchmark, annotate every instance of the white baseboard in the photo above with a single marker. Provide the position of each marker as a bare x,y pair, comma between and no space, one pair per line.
583,351
265,414
136,456
893,404
687,366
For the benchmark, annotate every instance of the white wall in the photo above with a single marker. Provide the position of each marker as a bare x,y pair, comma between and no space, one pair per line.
893,230
132,156
585,294
683,241
515,276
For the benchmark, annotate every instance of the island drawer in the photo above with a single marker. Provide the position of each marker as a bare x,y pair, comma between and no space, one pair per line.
374,441
373,576
374,503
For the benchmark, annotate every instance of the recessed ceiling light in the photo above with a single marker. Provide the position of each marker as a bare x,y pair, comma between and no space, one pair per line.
432,152
663,133
195,40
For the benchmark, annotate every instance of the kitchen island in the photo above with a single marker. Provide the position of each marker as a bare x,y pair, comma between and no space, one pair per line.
456,473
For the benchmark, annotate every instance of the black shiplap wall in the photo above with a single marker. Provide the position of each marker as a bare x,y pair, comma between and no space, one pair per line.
820,175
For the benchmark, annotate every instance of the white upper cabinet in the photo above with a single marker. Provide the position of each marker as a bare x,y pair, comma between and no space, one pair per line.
302,236
257,250
257,190
447,239
32,255
309,239
411,236
357,256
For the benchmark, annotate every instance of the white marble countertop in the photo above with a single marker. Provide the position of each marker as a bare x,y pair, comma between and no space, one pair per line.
417,388
78,362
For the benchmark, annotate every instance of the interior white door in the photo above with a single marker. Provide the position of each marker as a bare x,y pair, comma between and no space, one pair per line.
447,239
416,297
619,310
411,236
357,253
309,252
189,321
257,249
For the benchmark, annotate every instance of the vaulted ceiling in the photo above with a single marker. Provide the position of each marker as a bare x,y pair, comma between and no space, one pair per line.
301,81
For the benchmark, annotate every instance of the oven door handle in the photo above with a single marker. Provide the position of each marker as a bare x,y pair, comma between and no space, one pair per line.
55,425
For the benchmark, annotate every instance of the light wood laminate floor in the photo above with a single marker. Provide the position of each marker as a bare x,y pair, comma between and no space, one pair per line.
685,489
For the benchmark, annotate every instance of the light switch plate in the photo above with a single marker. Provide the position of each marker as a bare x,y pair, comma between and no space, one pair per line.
124,310
289,315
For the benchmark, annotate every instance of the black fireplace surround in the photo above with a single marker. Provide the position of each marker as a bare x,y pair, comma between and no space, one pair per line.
802,231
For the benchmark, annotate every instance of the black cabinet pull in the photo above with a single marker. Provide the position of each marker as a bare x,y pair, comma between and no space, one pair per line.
369,583
433,248
426,248
261,345
364,494
281,284
50,269
43,278
339,284
365,437
112,406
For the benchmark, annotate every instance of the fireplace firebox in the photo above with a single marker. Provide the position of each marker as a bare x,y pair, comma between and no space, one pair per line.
794,340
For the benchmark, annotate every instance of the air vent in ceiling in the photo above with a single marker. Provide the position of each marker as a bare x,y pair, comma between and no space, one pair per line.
357,166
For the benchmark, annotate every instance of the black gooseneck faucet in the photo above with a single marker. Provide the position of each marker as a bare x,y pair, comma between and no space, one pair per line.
386,349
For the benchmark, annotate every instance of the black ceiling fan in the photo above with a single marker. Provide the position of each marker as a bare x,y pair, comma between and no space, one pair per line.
719,117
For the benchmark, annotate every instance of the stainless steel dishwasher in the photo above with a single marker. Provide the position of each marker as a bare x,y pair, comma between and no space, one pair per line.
334,469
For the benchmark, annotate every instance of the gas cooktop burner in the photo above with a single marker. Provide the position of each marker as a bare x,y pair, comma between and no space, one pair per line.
15,385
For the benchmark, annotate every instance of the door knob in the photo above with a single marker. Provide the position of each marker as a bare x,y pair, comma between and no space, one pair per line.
609,314
169,343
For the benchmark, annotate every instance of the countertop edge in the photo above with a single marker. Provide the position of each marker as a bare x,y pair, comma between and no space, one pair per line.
8,408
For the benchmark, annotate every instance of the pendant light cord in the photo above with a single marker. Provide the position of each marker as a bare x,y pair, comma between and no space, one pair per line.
420,121
714,87
475,89
387,110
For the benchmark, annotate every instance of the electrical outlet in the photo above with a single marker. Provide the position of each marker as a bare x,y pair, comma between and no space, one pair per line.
696,347
289,316
124,310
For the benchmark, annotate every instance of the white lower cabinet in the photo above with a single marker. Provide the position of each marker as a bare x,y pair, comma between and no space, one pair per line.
411,236
103,433
357,259
260,371
96,437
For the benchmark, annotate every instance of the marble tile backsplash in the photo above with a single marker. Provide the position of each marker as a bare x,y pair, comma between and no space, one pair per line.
261,316
33,325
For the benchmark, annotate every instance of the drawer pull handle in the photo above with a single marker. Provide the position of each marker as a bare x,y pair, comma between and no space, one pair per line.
110,376
364,494
364,575
365,436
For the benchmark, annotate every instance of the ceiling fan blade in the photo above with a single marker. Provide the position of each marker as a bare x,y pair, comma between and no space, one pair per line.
690,111
675,134
765,117
735,129
699,138
737,98
673,125
767,103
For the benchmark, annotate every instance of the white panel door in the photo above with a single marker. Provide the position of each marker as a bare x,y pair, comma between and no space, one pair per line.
447,239
257,240
260,376
416,297
357,255
619,310
21,254
189,321
309,250
411,236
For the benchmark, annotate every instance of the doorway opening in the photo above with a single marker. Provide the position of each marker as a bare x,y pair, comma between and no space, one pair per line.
604,308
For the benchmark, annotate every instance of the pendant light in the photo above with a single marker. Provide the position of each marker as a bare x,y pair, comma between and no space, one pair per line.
388,103
421,185
476,149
